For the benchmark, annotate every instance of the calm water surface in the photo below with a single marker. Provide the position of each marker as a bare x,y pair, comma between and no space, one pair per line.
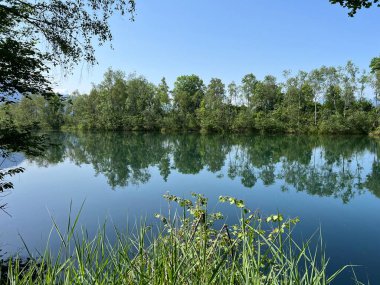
332,183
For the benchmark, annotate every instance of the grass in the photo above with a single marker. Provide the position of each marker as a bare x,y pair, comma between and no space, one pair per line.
188,248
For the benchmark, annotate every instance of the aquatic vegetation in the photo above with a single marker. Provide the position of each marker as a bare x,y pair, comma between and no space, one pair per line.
190,246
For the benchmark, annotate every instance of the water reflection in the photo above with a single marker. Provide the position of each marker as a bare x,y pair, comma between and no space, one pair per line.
323,166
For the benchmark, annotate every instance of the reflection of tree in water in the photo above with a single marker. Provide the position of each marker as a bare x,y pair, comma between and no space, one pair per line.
239,166
333,169
164,167
123,159
373,179
255,157
55,152
192,153
187,155
372,182
321,181
322,166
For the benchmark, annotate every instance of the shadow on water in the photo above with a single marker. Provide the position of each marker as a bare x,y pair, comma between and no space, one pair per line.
323,166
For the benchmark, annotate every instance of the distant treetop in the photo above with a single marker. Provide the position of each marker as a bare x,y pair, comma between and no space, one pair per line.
375,64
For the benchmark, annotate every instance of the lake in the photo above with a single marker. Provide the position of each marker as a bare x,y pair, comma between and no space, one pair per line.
330,183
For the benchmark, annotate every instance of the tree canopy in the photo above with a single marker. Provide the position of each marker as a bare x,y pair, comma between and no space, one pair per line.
375,65
355,5
37,35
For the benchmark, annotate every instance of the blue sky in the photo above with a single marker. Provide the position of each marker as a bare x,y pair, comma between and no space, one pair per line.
228,39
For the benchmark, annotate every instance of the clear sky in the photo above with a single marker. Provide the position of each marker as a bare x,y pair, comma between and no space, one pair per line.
228,39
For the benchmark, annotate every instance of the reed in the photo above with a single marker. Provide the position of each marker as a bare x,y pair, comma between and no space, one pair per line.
191,246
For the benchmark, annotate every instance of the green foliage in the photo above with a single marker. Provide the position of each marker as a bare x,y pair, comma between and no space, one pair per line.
118,103
68,29
324,100
188,94
375,82
334,124
375,64
267,94
355,5
212,112
192,246
163,94
22,69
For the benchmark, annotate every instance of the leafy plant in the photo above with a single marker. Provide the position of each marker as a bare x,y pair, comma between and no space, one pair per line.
188,248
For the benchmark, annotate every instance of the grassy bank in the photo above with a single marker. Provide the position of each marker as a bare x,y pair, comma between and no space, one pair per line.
191,247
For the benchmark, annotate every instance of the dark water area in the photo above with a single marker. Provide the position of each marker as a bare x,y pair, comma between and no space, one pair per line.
330,183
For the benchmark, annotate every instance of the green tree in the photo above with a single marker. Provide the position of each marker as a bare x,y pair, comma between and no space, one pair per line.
375,70
316,81
233,93
83,111
213,109
163,95
28,111
54,112
248,86
267,94
233,99
69,29
143,107
355,5
188,94
298,97
349,80
333,99
112,96
333,91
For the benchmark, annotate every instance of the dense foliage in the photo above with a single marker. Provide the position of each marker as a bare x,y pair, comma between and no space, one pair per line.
355,5
68,29
324,100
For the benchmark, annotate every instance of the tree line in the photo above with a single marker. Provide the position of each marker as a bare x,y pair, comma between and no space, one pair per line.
324,100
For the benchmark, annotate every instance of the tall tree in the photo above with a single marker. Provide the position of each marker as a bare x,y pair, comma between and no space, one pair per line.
317,80
349,75
375,70
163,94
113,94
333,91
267,94
233,93
188,94
233,100
143,108
248,85
363,81
212,111
297,98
